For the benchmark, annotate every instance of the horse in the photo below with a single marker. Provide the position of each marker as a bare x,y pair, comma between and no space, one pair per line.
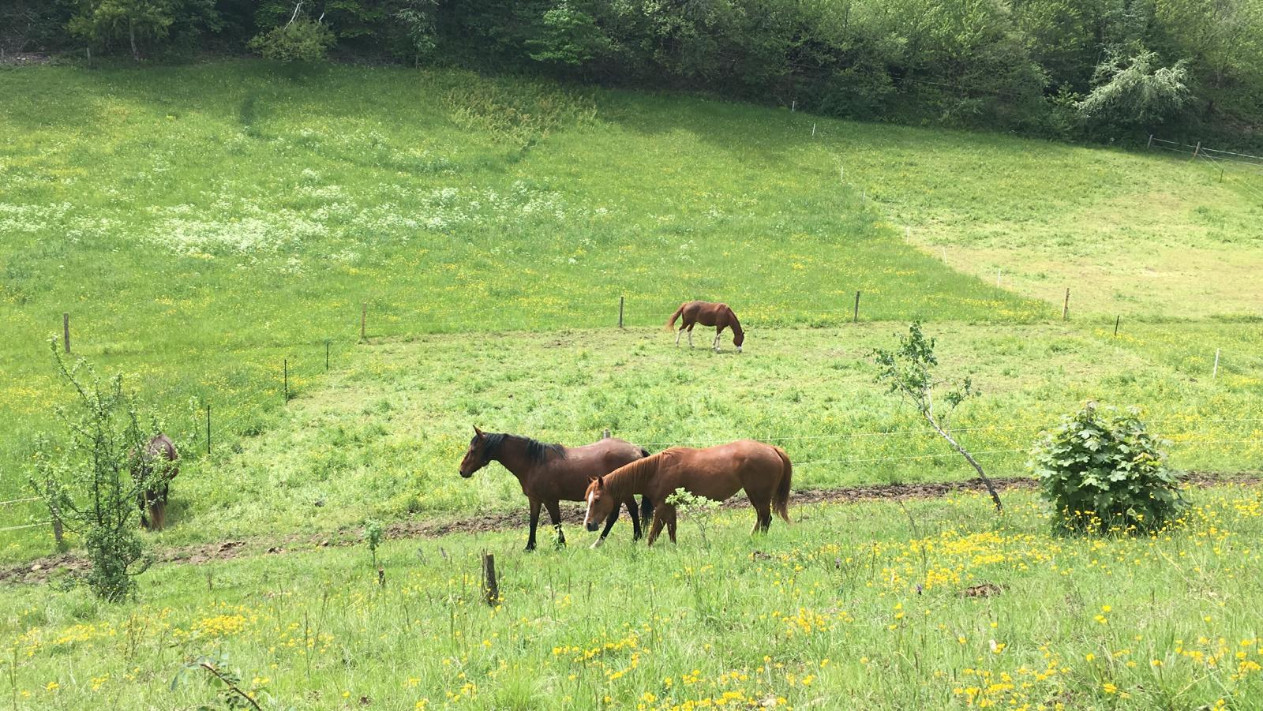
717,473
153,470
550,473
707,314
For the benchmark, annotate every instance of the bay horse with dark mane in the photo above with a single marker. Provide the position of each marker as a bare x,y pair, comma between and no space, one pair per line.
551,473
717,473
153,469
707,314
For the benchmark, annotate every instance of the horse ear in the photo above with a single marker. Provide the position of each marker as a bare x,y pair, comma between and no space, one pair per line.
477,431
600,482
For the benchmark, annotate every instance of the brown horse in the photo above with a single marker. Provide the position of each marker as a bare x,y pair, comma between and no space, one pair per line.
153,470
550,473
707,314
716,473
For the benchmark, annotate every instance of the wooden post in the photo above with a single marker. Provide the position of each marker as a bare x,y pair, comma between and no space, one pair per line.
1198,149
793,105
65,330
620,312
489,585
813,130
208,434
1116,320
326,355
1065,309
363,318
285,366
1150,143
1215,373
606,433
856,317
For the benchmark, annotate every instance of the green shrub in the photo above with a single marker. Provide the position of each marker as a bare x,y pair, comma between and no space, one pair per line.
1103,472
299,40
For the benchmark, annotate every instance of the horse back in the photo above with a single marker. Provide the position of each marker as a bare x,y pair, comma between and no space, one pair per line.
567,477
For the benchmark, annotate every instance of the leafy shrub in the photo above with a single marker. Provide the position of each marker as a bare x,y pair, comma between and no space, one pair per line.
90,477
1103,472
299,40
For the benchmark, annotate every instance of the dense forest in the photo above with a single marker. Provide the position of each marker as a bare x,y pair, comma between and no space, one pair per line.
1099,70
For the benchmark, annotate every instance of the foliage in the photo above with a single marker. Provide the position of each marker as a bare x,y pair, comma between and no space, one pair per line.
302,39
696,508
1134,91
1102,471
104,21
373,537
909,371
91,477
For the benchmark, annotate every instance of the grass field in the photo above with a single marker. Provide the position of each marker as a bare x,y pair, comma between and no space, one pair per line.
210,227
823,610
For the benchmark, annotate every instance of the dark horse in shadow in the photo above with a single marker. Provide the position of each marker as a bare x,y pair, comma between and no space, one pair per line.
707,314
153,470
551,473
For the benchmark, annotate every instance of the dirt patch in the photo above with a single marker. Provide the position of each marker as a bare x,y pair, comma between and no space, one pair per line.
38,571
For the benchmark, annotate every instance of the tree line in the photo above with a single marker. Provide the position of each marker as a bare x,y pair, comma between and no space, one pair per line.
1072,69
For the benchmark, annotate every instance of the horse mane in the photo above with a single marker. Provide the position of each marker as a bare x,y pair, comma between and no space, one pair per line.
536,451
736,325
621,481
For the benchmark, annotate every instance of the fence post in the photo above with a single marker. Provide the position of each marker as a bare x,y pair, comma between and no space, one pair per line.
326,355
489,585
1150,143
285,366
1065,309
1197,150
65,329
1116,320
1215,373
856,317
606,433
363,318
208,429
620,312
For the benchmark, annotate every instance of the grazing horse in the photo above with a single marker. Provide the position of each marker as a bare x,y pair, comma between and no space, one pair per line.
550,473
154,469
707,314
717,473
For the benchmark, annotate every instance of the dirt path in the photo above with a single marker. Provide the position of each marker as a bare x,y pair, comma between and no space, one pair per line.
39,570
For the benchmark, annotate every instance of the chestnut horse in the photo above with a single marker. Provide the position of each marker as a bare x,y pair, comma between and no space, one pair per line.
153,470
550,473
716,473
707,314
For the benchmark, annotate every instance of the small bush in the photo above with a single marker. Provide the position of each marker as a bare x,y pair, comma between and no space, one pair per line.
300,40
1103,472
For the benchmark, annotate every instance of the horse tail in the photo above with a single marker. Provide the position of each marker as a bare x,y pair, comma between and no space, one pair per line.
646,510
780,500
671,323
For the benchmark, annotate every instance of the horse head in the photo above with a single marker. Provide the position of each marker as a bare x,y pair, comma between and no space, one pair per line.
478,455
600,504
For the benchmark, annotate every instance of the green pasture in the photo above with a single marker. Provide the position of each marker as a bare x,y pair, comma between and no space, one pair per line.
210,227
932,604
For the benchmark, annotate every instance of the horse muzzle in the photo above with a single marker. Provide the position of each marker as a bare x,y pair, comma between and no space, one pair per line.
465,475
591,526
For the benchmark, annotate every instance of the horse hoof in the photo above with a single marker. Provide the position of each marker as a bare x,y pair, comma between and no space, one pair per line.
597,543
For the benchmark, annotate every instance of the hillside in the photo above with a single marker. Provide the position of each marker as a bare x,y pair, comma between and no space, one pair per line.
207,227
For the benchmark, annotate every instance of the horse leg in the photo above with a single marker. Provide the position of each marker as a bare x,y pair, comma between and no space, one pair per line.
690,327
763,516
656,528
677,336
555,512
669,515
530,541
715,344
635,517
609,523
